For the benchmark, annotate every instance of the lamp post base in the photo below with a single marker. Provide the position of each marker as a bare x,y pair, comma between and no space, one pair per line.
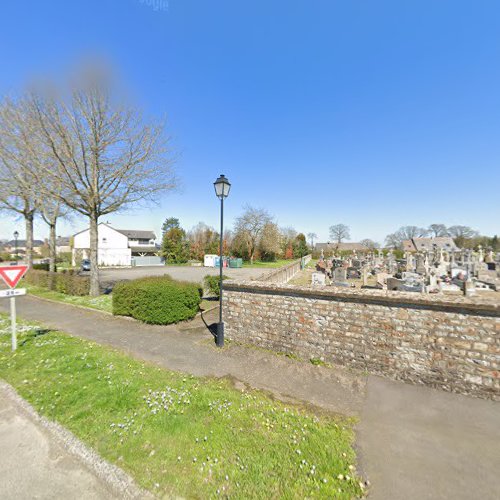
219,340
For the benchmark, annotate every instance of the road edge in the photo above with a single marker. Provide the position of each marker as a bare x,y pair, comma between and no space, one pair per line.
116,479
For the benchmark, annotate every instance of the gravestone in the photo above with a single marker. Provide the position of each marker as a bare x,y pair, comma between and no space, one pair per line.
318,279
340,274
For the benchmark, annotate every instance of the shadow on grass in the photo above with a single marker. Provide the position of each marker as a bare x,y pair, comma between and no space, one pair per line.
37,332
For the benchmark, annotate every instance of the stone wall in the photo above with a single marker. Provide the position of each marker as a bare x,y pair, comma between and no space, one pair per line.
447,342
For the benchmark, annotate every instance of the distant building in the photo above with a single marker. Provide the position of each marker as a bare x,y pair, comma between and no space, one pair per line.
429,244
63,244
329,248
116,247
10,247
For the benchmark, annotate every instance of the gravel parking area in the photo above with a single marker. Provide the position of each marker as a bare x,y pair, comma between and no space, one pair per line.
185,273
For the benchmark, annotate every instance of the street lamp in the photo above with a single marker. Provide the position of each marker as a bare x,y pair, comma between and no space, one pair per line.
222,188
16,235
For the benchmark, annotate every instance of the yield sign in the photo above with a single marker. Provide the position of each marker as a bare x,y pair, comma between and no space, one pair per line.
12,274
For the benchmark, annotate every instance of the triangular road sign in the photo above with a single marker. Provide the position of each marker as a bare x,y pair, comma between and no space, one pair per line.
12,274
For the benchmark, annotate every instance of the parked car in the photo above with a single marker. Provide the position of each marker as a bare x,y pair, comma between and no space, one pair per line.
85,265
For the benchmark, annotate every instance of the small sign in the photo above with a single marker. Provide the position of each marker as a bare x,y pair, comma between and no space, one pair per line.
12,274
12,292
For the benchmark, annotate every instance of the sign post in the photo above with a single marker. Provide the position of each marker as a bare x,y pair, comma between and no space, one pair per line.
13,324
11,276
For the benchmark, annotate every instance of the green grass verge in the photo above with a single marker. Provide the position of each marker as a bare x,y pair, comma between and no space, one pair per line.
275,264
102,302
179,435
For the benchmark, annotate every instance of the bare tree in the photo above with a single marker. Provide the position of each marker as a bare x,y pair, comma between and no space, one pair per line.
51,210
462,233
269,244
249,227
104,157
369,244
395,240
287,238
340,232
18,189
312,237
409,232
438,230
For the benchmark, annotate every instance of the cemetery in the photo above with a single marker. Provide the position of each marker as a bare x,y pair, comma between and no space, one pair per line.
431,317
433,271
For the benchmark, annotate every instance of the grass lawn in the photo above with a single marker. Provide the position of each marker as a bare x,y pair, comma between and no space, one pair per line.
258,263
102,303
180,435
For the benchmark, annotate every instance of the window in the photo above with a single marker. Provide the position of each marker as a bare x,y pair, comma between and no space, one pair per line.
105,240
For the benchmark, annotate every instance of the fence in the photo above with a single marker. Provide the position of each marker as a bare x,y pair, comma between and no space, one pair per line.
148,260
286,273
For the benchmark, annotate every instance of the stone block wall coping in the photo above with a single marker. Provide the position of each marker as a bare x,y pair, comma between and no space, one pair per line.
476,305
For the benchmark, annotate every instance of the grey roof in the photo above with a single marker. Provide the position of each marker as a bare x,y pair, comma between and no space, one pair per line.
428,244
22,243
63,241
341,246
135,234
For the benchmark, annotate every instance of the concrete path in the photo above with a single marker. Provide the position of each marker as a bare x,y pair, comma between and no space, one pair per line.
34,465
420,443
414,442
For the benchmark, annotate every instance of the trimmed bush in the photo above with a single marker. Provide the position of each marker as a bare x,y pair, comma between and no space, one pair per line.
157,301
67,282
212,284
41,267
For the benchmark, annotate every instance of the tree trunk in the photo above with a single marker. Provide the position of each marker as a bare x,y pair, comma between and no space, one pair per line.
94,243
52,246
29,239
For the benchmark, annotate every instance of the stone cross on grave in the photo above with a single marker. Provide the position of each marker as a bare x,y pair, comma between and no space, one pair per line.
481,253
364,275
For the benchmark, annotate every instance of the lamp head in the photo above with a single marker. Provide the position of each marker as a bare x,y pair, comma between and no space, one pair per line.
222,187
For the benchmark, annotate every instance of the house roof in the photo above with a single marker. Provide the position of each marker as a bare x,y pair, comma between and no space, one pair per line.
129,233
137,234
428,244
22,243
342,247
63,241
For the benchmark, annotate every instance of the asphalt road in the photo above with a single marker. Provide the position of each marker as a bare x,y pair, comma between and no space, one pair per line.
184,273
33,464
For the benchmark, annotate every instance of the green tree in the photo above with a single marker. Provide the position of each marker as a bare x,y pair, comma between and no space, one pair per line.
300,247
170,223
175,245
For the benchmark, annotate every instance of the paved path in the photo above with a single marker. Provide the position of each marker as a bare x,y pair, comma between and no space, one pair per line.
34,465
414,442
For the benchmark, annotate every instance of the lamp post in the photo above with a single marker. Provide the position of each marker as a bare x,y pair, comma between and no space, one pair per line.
222,188
16,235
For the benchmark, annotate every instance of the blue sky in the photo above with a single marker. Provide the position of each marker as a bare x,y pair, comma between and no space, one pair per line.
375,114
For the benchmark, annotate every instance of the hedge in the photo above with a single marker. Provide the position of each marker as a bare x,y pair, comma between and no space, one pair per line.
67,282
212,284
157,300
41,267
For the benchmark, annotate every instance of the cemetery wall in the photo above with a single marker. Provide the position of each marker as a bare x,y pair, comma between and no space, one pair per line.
447,342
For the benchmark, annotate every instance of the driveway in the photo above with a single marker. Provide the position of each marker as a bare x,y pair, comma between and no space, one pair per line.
185,273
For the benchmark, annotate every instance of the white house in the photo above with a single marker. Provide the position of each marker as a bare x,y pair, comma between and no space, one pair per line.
116,247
